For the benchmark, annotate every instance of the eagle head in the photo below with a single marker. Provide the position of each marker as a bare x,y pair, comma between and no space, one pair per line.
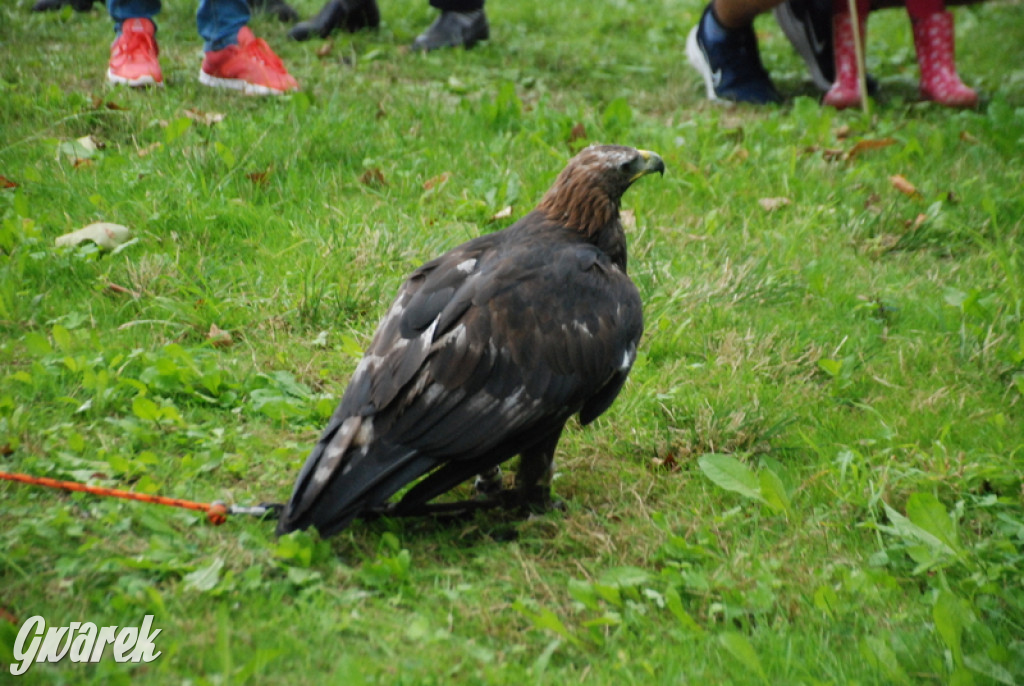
586,195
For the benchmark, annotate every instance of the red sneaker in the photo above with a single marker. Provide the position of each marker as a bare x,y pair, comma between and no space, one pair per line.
250,67
133,55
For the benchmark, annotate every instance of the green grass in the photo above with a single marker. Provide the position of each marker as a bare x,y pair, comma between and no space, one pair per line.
813,476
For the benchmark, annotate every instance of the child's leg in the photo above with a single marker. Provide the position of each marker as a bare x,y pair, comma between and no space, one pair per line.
933,40
845,92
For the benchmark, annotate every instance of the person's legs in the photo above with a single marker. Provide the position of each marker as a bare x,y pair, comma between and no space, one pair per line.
134,53
219,22
738,14
724,52
462,22
122,10
933,39
457,5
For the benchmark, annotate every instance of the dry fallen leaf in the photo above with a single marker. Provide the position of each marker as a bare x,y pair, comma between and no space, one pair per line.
578,132
373,177
218,337
114,288
149,148
91,143
437,181
325,49
861,146
900,183
772,204
916,224
104,234
832,154
100,103
843,131
7,183
503,213
967,137
668,462
79,149
208,118
259,178
739,155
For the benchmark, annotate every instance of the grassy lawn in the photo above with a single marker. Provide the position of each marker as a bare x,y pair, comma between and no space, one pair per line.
813,476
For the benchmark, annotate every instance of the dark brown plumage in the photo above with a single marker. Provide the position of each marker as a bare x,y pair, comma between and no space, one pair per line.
485,354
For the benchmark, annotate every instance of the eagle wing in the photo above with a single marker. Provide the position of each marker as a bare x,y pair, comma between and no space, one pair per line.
483,351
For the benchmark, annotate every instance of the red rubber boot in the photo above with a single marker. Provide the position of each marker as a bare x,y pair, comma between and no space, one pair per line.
933,40
845,92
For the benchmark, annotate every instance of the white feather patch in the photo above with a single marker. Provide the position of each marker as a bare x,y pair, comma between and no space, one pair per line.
335,450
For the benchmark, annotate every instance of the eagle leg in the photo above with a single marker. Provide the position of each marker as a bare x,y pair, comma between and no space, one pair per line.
533,478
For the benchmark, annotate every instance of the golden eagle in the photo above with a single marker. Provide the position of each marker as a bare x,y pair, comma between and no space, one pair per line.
485,354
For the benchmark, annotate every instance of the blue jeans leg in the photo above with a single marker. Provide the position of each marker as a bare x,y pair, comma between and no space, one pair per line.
121,10
219,21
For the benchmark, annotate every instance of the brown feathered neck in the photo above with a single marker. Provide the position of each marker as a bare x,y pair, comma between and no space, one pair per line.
580,201
584,203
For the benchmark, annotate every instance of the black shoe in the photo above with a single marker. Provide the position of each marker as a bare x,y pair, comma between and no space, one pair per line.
279,8
731,67
453,29
51,5
808,26
351,15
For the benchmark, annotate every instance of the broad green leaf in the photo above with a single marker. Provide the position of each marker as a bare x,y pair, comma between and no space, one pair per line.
547,620
826,600
926,512
961,676
225,154
145,409
949,615
982,664
625,576
37,344
739,647
176,128
910,532
731,474
205,578
773,491
609,594
61,337
583,593
881,656
830,367
675,605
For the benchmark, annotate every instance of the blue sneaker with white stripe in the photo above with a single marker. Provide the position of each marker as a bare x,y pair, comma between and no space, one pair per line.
729,62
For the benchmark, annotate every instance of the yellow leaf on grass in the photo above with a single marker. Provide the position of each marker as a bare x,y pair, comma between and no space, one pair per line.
772,204
218,337
208,118
900,183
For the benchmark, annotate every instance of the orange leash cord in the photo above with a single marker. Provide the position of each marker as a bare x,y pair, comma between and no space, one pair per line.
216,512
